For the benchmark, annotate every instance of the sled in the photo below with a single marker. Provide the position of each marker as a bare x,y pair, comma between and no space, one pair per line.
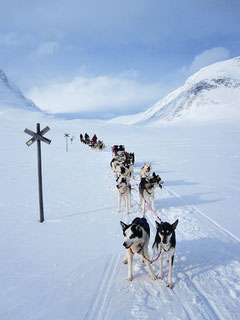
117,150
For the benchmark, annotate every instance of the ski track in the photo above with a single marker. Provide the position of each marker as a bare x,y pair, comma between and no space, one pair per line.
152,296
102,298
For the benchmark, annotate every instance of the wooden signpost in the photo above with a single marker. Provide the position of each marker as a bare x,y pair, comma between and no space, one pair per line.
38,136
66,135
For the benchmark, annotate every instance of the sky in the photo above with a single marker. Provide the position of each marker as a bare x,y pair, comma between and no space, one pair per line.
101,59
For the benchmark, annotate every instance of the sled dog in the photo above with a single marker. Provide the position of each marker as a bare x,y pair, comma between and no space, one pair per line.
145,170
136,239
125,170
146,190
115,163
165,241
124,191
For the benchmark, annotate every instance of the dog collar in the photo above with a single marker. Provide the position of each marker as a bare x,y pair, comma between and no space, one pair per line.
139,251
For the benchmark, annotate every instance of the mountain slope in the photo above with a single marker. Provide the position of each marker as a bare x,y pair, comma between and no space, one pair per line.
210,94
12,97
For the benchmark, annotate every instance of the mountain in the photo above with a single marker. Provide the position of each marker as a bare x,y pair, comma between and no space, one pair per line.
211,94
12,97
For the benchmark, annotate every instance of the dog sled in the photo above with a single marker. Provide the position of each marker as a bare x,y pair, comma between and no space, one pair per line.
93,143
119,153
97,145
117,150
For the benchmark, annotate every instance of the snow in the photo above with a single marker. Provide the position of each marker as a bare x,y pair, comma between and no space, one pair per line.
210,95
70,266
11,97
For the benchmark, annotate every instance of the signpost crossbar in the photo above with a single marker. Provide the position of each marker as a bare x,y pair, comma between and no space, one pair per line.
38,136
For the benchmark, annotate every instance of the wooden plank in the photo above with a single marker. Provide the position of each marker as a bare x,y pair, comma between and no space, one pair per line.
43,139
31,141
45,130
30,132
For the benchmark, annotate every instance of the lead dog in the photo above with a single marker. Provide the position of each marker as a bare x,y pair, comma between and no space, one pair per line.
124,191
165,241
136,239
146,189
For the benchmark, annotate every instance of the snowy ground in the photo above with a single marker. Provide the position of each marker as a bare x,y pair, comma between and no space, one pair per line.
70,266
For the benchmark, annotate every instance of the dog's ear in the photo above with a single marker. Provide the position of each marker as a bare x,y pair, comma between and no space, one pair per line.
174,225
123,225
138,228
157,224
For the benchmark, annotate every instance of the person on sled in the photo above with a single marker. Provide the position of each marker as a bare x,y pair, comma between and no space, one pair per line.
94,139
120,149
86,137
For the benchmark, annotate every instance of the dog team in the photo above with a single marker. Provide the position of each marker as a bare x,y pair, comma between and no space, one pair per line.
137,234
93,143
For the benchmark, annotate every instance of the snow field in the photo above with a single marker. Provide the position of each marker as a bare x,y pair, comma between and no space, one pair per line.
70,267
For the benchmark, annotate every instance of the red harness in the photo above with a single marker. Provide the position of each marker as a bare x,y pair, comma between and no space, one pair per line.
141,251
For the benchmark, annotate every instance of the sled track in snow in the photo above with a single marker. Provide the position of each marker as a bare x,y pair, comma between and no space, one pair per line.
193,302
102,298
203,307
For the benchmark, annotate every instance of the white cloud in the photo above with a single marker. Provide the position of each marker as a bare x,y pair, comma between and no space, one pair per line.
206,58
47,48
89,94
9,39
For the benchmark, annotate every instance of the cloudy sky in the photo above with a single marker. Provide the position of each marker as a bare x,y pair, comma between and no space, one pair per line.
102,58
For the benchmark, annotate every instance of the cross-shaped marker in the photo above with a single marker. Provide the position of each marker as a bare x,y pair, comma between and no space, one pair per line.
38,136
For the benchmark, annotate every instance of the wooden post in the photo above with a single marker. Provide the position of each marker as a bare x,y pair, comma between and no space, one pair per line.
40,175
66,135
38,136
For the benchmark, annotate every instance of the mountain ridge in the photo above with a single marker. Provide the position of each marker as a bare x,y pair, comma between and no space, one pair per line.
11,97
210,94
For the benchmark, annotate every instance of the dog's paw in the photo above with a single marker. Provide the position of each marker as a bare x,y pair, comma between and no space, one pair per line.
153,277
170,286
129,278
125,261
159,276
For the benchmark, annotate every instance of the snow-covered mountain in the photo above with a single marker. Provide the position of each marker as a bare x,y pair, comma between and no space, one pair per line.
12,97
211,94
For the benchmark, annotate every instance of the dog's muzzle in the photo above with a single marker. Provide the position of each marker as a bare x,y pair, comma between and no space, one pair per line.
126,245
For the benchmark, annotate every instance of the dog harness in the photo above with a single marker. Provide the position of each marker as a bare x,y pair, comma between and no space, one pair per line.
142,252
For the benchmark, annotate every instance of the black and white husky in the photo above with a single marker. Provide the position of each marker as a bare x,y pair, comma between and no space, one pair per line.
146,190
165,241
136,239
115,163
125,170
124,191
